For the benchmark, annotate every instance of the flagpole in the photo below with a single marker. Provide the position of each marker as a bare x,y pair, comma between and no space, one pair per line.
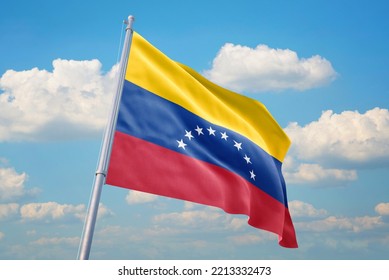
101,171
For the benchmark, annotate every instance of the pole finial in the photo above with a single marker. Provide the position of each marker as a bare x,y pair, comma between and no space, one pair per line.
129,22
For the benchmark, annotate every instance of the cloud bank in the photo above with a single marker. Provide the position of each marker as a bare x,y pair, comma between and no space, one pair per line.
12,185
346,138
303,209
51,211
137,197
333,223
382,209
316,175
262,68
7,210
71,101
328,152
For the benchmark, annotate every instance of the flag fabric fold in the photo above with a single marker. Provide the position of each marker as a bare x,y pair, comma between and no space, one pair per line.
181,136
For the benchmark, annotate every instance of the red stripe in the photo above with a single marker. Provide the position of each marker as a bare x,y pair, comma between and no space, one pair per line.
140,165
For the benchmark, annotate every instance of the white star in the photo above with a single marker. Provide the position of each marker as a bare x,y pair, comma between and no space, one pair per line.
224,135
181,144
189,134
247,159
238,145
199,130
211,131
252,175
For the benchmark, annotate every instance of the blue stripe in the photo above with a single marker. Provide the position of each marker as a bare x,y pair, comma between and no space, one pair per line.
147,116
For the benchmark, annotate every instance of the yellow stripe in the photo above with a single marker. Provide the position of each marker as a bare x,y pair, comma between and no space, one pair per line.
152,70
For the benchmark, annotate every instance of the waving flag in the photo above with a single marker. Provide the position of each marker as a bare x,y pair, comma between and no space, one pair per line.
181,136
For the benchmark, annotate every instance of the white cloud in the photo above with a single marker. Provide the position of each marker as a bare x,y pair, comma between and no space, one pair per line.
237,223
249,239
302,209
382,209
31,232
194,218
11,184
346,138
72,101
316,174
54,211
7,210
51,211
73,241
158,231
136,197
355,224
190,205
103,212
262,68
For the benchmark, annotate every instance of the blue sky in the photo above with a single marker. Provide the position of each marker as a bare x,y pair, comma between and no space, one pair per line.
320,67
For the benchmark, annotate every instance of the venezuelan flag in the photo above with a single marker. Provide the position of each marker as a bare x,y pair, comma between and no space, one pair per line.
181,136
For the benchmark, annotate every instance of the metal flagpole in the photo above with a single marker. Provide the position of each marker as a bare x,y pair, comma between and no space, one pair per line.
101,172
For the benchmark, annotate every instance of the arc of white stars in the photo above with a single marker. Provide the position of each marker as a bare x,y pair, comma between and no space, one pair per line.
238,145
181,144
224,135
252,175
188,134
211,131
199,130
